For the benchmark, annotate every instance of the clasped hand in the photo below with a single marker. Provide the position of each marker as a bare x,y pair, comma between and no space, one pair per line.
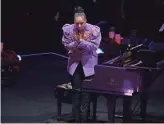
79,36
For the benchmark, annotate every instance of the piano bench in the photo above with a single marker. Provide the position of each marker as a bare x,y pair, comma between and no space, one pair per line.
63,93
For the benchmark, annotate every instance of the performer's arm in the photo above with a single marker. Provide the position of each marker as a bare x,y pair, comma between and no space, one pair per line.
94,43
67,41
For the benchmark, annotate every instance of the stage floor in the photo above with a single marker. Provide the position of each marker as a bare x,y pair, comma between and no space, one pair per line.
31,99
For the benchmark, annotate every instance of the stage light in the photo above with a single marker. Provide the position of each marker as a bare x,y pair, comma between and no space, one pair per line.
118,38
99,51
111,33
94,1
19,58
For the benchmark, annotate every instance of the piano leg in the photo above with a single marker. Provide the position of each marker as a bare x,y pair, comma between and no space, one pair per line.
111,104
127,109
95,96
147,81
143,105
59,107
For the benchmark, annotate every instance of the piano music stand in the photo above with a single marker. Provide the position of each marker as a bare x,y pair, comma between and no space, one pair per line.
161,28
148,57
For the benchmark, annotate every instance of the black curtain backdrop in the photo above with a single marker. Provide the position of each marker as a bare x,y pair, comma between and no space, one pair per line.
30,27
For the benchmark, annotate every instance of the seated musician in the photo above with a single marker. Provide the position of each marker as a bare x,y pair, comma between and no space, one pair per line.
110,42
82,40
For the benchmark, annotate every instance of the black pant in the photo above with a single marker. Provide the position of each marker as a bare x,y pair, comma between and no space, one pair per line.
80,101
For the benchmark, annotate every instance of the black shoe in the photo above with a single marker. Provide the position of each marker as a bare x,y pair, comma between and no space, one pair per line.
69,117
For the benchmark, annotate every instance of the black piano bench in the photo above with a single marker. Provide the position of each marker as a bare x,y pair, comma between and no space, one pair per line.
63,93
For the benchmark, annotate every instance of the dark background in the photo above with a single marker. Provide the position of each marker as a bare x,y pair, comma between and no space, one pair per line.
30,27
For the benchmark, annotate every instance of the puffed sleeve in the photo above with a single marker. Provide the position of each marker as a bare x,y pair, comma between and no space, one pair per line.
94,42
67,40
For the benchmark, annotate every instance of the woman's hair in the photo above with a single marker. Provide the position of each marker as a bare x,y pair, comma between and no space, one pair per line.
79,11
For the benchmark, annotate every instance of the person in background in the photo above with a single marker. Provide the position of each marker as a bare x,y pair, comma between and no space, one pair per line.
1,47
110,44
81,39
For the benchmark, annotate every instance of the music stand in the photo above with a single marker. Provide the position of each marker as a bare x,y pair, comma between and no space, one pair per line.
148,57
161,28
